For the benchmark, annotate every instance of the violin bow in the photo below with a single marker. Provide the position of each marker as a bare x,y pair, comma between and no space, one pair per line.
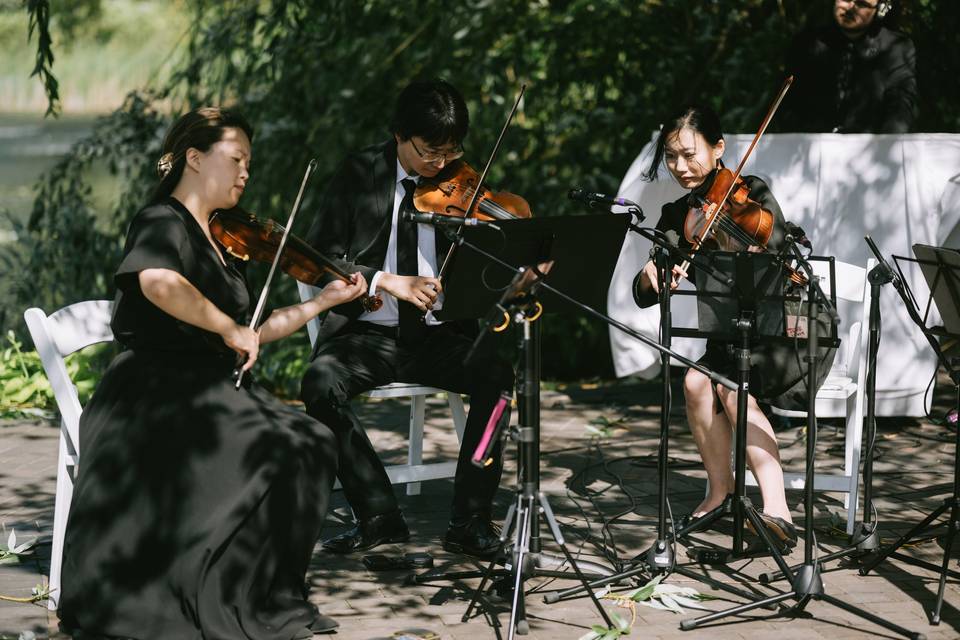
262,302
733,183
483,176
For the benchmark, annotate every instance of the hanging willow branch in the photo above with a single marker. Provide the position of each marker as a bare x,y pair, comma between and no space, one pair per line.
39,12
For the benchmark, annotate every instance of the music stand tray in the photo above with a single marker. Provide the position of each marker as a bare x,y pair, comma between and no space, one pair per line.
474,282
940,267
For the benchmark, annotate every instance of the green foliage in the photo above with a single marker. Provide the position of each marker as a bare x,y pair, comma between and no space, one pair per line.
24,388
39,11
281,365
619,629
318,78
13,550
668,597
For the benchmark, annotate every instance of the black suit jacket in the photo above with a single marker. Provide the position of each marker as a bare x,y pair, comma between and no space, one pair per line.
863,86
352,222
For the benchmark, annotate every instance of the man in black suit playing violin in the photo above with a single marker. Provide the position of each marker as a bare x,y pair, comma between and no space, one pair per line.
359,223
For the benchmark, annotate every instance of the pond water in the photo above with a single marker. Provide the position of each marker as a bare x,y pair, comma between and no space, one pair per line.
29,145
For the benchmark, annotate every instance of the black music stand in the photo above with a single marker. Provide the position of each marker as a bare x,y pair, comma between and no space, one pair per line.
750,310
941,269
806,583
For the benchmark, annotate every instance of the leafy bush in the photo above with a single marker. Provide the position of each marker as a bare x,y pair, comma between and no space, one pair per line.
24,388
317,78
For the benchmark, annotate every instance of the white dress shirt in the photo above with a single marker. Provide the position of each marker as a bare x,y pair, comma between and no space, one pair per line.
389,314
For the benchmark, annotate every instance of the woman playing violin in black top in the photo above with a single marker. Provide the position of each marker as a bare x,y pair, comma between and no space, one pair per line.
691,145
197,506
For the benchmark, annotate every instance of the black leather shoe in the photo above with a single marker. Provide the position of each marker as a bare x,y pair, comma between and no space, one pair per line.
472,536
370,532
782,531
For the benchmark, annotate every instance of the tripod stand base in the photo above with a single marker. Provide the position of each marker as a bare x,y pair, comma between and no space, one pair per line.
864,542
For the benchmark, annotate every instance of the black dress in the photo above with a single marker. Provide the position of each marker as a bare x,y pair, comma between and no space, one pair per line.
777,370
197,506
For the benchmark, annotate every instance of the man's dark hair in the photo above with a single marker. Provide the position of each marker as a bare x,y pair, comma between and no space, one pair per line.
433,110
699,118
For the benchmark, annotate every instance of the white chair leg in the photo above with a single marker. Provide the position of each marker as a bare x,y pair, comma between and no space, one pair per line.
459,415
61,509
415,453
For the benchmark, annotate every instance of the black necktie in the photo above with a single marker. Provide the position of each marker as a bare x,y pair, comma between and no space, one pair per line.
411,319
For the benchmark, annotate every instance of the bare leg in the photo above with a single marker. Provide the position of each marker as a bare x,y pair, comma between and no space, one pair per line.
712,433
763,454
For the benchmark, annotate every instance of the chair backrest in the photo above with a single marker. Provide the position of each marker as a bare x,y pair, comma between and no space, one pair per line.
851,287
308,291
60,334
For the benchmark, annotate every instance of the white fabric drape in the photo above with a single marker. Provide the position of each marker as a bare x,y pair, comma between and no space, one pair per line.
900,189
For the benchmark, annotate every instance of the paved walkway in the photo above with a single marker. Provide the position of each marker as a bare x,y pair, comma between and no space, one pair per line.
589,481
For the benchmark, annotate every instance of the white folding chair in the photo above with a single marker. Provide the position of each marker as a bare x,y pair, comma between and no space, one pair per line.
55,337
415,471
841,395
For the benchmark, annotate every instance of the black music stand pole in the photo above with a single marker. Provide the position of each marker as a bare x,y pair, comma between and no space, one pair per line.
739,504
806,582
947,273
660,556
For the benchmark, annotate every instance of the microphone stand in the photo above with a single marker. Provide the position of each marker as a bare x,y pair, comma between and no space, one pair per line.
865,539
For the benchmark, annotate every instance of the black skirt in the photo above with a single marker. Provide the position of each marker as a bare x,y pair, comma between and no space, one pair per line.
778,371
196,507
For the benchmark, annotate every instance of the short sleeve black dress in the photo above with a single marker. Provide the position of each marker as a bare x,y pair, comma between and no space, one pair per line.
196,506
777,371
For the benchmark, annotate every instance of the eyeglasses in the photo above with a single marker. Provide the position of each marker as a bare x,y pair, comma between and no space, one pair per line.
862,4
433,156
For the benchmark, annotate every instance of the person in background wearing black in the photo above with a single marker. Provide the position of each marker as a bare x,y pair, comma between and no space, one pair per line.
197,505
691,145
359,221
852,76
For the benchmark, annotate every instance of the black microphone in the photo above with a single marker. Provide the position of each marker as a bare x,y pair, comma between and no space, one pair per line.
438,220
599,198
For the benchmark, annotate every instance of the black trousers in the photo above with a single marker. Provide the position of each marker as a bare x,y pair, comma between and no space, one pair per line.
365,356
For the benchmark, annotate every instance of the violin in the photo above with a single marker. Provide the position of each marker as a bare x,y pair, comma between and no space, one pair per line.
742,222
244,236
728,218
451,191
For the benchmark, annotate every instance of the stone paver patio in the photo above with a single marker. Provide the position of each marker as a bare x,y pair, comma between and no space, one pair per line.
588,482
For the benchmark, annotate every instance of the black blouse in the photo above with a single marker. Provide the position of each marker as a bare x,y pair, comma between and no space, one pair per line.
166,236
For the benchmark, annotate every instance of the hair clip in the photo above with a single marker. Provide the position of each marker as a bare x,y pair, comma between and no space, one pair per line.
165,164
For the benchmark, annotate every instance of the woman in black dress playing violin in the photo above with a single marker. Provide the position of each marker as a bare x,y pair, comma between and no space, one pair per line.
691,146
197,505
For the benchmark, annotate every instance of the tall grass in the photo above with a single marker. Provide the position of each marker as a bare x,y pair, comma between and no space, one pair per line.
129,45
